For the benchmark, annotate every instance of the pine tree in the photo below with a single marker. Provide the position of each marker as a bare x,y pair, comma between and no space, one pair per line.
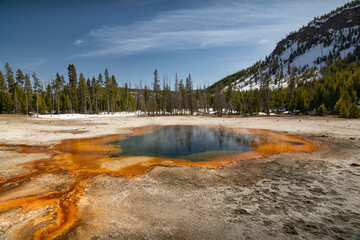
19,91
37,89
49,96
311,88
322,111
20,78
156,101
344,105
108,88
83,93
72,87
354,111
168,100
163,99
291,87
202,100
3,87
219,100
59,85
28,92
89,95
250,102
177,95
97,91
190,94
141,106
114,90
12,87
126,92
265,89
183,97
5,97
229,97
147,99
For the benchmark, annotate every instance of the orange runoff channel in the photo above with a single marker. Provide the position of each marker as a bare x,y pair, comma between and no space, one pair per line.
86,158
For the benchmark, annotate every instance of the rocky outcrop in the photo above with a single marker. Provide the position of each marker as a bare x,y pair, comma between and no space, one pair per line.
346,18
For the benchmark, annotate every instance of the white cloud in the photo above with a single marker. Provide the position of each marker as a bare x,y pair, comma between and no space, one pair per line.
214,26
78,41
31,65
264,41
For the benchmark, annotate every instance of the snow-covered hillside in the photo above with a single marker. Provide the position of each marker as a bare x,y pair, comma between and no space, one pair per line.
339,43
323,40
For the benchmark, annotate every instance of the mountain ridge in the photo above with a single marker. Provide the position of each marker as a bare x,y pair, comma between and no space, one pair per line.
323,40
344,18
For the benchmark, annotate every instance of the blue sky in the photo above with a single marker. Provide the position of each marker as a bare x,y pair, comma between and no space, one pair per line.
209,39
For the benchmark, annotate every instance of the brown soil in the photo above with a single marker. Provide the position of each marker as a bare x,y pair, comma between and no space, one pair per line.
283,196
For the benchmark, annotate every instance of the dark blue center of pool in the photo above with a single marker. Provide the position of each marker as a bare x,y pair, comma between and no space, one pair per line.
192,143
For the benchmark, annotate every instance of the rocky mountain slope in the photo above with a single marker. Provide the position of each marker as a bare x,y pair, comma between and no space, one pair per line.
324,40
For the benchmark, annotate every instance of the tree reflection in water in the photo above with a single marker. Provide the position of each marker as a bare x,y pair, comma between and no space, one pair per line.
176,141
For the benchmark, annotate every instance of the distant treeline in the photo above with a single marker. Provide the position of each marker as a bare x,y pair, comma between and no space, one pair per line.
22,94
337,91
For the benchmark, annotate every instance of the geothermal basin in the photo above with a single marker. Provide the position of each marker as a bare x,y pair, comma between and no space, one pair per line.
127,155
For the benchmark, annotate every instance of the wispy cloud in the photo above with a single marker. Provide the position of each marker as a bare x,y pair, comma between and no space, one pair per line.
207,27
78,41
264,41
31,65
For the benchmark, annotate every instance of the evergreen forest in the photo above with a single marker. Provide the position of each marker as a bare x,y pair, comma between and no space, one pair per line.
334,89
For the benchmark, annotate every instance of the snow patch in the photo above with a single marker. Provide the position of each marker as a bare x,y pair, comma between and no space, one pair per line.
79,116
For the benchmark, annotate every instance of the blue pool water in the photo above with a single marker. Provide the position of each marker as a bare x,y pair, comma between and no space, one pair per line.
192,143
